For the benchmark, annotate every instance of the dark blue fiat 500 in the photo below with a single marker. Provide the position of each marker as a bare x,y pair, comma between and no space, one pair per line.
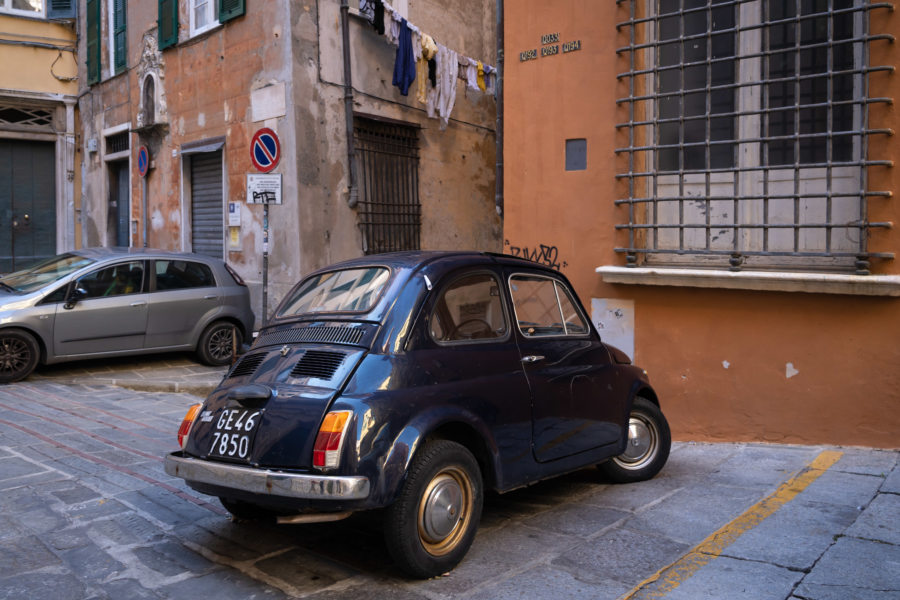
413,382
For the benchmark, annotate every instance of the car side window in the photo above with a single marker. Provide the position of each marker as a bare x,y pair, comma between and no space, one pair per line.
182,274
544,307
470,308
118,280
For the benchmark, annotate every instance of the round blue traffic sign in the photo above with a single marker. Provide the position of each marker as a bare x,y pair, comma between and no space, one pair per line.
265,150
143,159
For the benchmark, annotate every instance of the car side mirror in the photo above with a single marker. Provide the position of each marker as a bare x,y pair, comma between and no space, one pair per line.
77,293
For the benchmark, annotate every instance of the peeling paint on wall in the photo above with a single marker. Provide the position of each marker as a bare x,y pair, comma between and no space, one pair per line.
790,371
726,364
614,320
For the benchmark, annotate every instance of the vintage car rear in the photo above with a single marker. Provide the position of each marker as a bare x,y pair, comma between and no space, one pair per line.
355,397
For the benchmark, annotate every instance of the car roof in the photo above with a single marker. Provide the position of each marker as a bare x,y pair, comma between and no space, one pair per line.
101,253
439,260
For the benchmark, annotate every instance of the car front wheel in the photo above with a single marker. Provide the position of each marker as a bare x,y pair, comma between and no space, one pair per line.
430,527
19,355
647,449
217,343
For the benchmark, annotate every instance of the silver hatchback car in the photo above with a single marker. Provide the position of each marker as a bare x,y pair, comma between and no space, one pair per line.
118,301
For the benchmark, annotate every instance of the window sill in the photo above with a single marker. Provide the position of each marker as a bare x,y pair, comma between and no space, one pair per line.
776,281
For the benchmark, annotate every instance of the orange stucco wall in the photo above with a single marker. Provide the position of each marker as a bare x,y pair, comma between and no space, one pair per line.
727,364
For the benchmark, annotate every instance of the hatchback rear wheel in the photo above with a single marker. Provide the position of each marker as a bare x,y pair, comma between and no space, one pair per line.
19,353
431,526
217,343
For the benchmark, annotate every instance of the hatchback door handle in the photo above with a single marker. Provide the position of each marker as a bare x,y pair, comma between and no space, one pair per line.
533,358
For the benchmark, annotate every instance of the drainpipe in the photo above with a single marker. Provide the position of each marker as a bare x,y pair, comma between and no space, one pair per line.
498,185
353,198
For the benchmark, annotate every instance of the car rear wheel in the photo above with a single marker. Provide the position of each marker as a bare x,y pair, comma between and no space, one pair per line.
430,527
217,343
647,450
19,355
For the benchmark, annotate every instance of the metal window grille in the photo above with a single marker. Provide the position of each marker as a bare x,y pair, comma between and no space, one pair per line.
389,209
747,133
118,142
26,117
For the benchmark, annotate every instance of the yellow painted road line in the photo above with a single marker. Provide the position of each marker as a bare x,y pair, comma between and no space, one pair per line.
674,575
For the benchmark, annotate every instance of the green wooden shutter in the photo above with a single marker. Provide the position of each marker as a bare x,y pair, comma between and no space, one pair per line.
120,35
168,23
229,9
92,22
61,9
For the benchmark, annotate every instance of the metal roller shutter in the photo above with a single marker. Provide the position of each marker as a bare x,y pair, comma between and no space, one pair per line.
207,204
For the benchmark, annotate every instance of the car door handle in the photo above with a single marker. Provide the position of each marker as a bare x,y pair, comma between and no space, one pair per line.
210,297
533,358
139,303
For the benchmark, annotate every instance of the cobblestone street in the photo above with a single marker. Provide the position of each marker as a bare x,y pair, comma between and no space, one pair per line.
86,511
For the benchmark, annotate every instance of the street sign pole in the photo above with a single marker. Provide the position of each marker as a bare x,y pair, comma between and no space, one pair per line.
265,152
143,169
265,306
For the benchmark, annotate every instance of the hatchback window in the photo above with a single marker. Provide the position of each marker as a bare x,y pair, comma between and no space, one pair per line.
350,290
545,307
469,309
45,272
118,280
182,274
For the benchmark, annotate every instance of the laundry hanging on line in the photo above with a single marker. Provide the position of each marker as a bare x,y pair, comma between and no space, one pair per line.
418,53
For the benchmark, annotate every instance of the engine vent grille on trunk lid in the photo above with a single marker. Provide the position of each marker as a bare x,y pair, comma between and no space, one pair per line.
247,365
322,334
319,364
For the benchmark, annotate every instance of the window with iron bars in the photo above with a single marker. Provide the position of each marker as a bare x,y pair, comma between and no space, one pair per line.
747,128
388,179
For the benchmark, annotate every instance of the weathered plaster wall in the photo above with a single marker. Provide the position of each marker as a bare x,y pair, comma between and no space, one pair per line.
456,165
728,365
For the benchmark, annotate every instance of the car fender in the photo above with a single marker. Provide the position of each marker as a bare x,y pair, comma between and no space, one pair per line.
217,313
45,349
640,386
417,431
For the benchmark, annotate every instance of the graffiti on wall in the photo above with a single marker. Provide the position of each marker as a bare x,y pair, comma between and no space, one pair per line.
542,253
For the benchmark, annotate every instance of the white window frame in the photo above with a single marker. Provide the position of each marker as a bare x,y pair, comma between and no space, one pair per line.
212,12
6,7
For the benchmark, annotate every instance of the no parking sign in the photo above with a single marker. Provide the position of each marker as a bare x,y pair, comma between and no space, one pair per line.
265,150
143,160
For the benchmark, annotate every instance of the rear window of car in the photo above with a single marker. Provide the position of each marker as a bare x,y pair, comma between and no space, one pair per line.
182,274
349,290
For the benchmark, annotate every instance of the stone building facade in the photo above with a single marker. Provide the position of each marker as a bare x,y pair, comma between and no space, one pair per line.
193,81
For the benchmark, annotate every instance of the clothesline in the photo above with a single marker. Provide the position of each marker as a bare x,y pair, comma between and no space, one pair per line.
421,60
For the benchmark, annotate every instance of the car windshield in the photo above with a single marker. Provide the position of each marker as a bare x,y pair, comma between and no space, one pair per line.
353,290
44,272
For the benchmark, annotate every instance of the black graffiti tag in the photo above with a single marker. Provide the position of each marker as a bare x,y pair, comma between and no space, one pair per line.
544,254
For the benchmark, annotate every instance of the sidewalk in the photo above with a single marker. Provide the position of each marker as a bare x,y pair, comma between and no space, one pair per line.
173,372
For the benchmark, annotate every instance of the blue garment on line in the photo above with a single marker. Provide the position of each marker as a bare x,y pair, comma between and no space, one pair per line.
405,65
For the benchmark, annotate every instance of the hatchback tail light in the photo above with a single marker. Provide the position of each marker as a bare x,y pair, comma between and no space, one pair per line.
237,278
327,450
187,423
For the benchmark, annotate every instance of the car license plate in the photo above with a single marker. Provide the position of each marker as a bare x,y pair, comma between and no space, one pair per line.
233,434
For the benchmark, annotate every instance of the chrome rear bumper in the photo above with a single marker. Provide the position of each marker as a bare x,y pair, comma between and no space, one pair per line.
267,482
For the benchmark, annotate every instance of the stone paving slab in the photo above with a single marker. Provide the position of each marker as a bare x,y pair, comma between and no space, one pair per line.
177,372
87,512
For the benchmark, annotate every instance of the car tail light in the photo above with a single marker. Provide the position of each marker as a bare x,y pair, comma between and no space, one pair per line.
237,278
327,450
187,423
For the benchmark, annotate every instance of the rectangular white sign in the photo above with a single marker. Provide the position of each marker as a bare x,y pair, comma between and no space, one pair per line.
263,188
